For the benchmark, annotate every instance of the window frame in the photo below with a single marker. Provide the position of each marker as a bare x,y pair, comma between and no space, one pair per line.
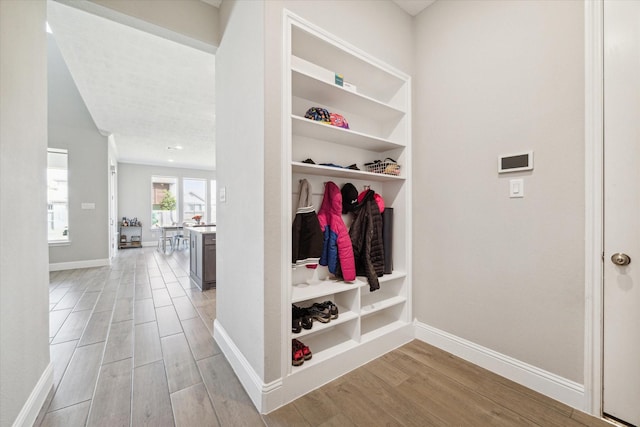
66,239
164,179
205,209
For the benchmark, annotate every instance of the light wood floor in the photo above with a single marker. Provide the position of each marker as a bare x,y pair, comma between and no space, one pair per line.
131,345
420,385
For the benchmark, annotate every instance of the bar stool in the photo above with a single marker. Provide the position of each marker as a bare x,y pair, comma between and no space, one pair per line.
182,238
167,239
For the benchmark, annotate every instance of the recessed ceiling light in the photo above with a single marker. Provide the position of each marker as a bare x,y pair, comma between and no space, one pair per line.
170,160
175,147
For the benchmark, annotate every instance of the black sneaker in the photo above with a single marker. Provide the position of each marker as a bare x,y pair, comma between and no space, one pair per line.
329,308
333,309
300,319
319,314
296,326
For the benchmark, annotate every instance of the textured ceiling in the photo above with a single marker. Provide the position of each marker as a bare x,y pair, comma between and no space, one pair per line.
413,7
151,93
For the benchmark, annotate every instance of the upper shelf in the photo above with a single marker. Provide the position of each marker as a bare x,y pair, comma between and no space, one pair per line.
373,78
328,94
311,169
317,130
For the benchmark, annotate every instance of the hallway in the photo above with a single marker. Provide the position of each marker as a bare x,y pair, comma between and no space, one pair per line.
131,345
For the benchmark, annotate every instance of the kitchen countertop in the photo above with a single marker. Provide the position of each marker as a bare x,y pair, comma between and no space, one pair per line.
210,229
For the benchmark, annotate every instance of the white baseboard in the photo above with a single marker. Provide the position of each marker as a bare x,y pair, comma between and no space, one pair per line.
262,395
33,405
79,264
547,383
270,396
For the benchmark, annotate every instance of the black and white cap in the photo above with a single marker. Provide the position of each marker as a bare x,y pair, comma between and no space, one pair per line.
349,198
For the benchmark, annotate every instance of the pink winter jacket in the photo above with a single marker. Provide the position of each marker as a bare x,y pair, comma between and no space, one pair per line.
337,243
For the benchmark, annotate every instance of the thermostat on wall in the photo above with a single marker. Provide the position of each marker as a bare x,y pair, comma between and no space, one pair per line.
516,162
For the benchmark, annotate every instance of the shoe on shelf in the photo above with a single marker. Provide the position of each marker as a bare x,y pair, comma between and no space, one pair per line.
306,321
296,320
333,309
297,355
300,319
306,352
296,325
319,314
329,308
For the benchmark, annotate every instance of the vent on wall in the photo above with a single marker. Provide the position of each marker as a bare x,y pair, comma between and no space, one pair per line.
515,162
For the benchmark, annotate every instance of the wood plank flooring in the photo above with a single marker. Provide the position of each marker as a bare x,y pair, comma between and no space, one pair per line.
131,345
420,385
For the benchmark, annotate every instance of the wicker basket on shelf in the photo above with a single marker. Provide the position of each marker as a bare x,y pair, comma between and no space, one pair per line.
387,166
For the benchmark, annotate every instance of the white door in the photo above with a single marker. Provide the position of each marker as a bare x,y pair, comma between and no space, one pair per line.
621,370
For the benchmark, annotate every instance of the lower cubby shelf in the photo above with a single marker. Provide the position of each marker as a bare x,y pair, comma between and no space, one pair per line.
329,343
343,316
382,322
364,317
373,307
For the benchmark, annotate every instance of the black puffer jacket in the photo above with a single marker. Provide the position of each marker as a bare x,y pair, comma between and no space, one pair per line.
366,238
307,238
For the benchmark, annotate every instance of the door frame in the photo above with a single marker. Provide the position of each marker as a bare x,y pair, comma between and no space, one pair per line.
594,205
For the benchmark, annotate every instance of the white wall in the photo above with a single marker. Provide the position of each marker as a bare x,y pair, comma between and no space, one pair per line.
134,192
491,78
240,169
24,280
71,127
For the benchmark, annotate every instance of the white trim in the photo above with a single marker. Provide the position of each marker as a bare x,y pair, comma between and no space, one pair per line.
31,408
139,24
89,263
286,179
53,243
594,149
547,383
263,395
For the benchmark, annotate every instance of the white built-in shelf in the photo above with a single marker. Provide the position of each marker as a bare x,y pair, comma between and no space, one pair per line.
325,132
380,327
378,106
328,94
388,277
324,347
374,307
310,169
306,291
343,317
371,79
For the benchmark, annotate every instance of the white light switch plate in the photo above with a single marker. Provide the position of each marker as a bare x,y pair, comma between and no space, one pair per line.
516,188
223,194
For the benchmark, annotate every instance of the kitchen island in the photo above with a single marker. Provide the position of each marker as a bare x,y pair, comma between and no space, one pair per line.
203,256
